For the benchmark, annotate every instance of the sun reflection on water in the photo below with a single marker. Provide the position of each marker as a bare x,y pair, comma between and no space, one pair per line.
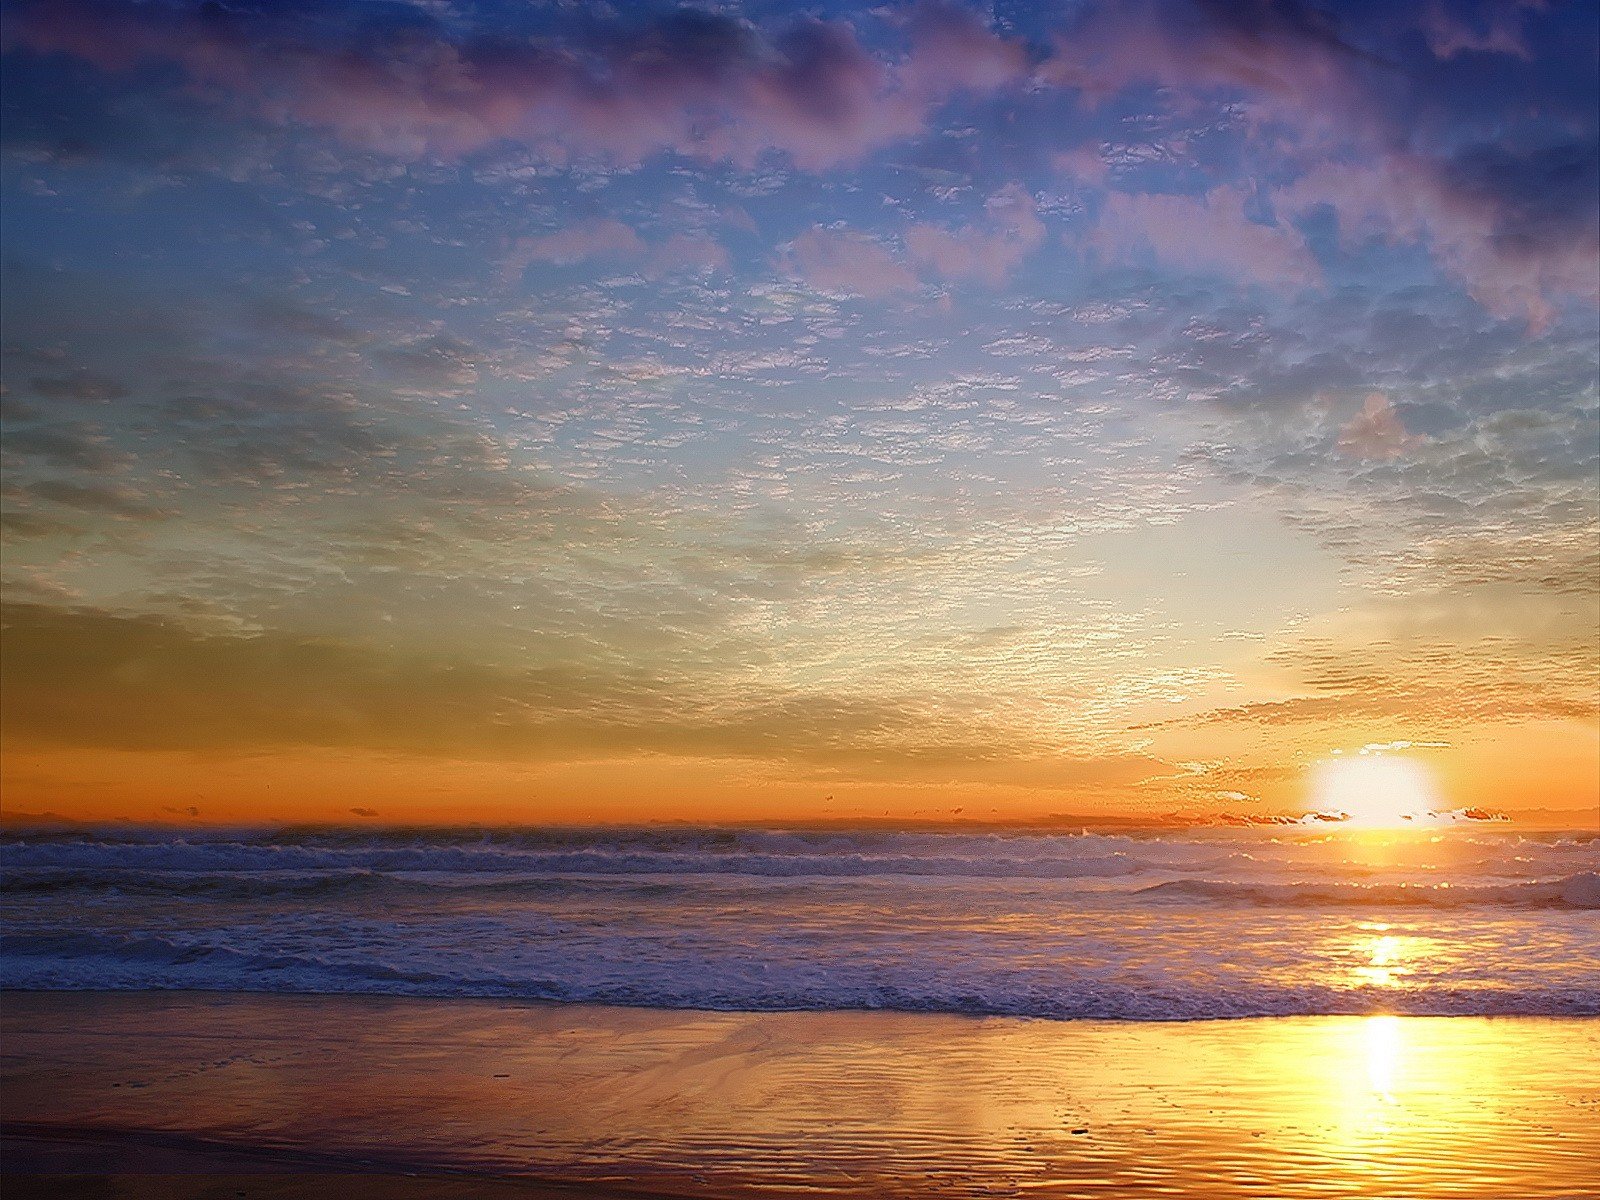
1383,956
1367,1097
1383,1046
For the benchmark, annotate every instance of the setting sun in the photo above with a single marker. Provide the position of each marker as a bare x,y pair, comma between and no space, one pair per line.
1375,790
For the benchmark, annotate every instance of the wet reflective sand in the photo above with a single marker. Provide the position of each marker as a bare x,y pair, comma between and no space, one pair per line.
689,1103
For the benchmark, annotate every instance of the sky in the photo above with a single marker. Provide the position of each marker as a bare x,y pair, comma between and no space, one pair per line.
562,412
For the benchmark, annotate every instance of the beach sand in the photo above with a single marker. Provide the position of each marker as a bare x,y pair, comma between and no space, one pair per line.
197,1094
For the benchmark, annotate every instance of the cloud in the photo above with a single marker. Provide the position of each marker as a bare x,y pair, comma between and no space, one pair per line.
117,500
93,678
435,363
607,238
851,263
718,88
1083,164
1398,153
1495,27
954,50
699,83
689,252
1204,233
69,445
1516,226
84,386
279,316
595,238
1290,58
987,253
1376,431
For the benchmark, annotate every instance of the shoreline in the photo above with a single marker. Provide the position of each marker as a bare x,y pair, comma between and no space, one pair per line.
622,1101
627,1006
533,1002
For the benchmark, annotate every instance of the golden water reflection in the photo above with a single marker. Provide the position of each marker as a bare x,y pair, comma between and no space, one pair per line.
1382,958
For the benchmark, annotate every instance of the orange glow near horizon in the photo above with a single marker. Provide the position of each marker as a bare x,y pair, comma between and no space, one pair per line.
340,786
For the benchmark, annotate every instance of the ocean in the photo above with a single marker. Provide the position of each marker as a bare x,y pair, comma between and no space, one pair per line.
1476,920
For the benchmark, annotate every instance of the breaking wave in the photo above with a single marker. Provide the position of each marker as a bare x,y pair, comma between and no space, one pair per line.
1574,891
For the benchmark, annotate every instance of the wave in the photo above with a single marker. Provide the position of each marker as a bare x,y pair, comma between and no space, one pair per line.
200,857
1581,891
310,885
1577,891
105,962
219,967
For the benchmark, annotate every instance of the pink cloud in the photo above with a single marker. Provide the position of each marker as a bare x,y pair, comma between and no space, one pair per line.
689,252
835,261
698,83
987,253
1084,164
604,237
597,238
1403,198
738,217
1377,431
823,99
955,51
1287,59
1204,233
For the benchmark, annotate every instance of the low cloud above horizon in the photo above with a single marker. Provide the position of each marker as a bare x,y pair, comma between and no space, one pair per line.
484,411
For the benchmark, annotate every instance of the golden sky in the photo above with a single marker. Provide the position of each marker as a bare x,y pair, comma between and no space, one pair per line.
913,412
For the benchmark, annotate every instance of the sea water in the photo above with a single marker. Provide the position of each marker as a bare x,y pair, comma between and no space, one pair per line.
1157,926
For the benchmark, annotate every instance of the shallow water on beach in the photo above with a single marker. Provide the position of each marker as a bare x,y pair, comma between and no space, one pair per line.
825,1104
1474,920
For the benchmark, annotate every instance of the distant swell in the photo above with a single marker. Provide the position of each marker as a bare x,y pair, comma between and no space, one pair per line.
1575,891
1095,858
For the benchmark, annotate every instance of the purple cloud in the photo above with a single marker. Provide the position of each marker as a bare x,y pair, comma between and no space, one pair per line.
698,83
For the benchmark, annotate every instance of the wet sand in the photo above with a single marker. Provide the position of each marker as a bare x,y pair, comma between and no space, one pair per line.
195,1094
